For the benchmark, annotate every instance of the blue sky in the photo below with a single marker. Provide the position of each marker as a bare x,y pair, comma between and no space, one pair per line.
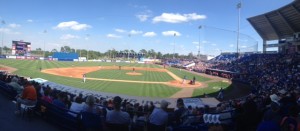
133,24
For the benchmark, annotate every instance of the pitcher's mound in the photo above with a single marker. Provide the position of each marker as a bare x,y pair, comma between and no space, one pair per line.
134,73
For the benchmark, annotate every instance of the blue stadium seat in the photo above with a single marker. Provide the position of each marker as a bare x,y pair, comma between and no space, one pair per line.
91,121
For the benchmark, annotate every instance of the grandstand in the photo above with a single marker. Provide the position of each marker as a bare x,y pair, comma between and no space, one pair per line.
272,103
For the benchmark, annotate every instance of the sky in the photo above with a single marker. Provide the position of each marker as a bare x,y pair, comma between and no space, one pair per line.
101,25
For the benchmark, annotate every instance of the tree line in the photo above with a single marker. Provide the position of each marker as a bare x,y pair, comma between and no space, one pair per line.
109,54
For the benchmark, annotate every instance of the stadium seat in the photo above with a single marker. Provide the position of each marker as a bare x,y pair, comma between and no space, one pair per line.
185,128
117,127
27,109
61,117
91,121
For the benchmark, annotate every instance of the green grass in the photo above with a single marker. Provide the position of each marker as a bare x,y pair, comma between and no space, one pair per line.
121,75
189,75
30,68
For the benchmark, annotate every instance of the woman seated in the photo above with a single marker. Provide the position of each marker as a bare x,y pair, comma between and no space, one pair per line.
90,106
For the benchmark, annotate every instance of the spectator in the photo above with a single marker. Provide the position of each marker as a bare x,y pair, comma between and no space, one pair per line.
180,113
116,116
76,106
59,102
28,97
159,117
46,96
16,87
90,106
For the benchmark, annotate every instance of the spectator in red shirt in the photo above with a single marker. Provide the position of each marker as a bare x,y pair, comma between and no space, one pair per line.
28,97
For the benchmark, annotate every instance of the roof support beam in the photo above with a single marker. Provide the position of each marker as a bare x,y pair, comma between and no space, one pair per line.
270,24
286,22
297,10
263,36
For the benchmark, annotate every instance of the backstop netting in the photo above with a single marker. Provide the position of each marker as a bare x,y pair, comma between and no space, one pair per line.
214,41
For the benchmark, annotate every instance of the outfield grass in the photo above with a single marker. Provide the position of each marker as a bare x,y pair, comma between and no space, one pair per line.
121,75
30,68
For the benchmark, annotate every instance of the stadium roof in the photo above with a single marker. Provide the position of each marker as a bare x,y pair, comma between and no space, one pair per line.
278,24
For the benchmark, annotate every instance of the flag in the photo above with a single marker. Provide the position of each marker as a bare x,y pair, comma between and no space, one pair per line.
3,22
174,34
239,5
45,31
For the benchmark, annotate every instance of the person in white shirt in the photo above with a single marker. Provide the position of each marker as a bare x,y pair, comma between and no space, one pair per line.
76,106
159,116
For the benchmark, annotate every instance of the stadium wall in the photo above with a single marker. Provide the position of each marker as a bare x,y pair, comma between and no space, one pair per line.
62,56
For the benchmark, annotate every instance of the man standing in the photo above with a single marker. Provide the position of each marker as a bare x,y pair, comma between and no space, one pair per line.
184,78
221,94
194,80
84,77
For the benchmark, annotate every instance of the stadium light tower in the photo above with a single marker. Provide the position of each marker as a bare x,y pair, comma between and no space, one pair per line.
87,52
45,31
3,23
174,46
199,42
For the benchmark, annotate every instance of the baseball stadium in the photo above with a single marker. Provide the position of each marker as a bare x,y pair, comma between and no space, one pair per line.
136,80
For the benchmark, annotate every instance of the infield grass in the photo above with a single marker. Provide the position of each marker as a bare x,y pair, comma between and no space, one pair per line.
121,75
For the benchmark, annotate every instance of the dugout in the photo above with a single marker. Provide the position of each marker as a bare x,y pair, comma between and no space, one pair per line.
63,56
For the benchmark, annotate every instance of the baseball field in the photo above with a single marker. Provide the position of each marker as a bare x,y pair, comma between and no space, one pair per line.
144,80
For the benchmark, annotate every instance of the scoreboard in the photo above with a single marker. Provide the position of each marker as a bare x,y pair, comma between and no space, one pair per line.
21,48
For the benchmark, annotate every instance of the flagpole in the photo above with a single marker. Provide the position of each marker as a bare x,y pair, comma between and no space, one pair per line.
239,5
45,31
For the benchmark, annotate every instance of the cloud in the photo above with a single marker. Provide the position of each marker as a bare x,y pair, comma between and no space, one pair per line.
68,36
73,25
120,30
231,45
177,18
149,34
138,6
29,20
171,33
113,36
13,25
195,42
9,31
143,16
214,44
135,32
243,46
